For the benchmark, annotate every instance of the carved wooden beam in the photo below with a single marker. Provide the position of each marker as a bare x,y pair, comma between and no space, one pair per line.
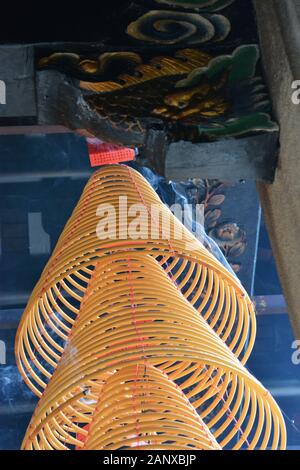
185,86
62,105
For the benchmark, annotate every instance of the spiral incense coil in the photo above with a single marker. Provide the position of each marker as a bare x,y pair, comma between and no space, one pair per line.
126,414
55,302
117,426
133,315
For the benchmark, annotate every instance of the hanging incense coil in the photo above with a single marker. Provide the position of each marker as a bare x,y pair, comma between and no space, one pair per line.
133,315
55,302
128,406
117,425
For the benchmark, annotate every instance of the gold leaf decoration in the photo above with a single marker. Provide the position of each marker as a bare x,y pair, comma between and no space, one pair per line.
184,62
190,104
171,27
102,65
56,57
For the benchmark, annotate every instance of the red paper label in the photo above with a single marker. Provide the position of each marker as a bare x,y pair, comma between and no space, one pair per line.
104,154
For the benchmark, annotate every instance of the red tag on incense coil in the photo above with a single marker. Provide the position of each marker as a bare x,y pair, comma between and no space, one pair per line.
82,437
102,153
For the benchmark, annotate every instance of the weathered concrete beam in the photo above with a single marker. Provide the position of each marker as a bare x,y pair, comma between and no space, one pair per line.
17,85
279,29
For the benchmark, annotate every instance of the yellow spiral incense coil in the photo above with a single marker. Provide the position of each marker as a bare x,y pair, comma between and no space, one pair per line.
111,200
132,401
134,316
127,410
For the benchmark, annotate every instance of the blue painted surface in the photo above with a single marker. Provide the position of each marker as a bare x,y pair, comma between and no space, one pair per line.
271,360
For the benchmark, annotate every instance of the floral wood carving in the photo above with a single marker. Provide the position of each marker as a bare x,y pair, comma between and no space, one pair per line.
230,238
